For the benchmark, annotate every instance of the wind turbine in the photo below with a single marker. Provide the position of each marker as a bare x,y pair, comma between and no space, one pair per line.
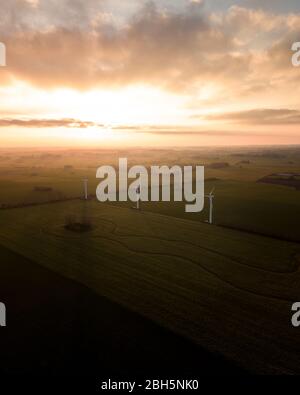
211,205
138,194
85,185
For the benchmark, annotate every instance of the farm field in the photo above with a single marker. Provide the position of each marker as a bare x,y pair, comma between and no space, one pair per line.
230,292
270,210
241,202
74,331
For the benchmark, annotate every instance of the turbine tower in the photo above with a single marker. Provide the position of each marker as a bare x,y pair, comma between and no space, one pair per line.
211,205
85,185
138,194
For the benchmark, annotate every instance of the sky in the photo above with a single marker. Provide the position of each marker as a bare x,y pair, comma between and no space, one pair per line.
149,73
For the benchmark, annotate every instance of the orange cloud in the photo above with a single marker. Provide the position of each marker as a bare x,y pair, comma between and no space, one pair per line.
174,51
46,123
260,116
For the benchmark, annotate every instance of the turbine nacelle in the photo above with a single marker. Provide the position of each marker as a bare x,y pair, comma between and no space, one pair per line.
138,197
211,195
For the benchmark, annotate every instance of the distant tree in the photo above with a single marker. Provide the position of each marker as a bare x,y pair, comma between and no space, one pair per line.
78,225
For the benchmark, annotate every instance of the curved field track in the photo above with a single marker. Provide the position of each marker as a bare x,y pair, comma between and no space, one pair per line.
228,291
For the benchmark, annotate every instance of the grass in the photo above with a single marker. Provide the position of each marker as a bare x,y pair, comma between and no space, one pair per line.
228,291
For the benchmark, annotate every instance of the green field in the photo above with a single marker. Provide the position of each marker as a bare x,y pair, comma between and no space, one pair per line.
270,210
227,287
228,291
240,201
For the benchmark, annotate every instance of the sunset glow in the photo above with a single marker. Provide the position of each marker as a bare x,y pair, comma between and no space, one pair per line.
146,73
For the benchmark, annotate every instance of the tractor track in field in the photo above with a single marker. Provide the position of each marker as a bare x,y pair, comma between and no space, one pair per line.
211,272
177,256
231,258
171,255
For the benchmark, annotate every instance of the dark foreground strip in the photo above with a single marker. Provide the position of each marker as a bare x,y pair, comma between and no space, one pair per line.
56,326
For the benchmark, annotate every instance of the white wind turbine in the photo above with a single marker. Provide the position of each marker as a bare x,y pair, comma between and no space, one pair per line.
211,205
138,194
85,185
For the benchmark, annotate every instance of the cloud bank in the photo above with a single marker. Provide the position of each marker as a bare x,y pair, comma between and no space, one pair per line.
79,44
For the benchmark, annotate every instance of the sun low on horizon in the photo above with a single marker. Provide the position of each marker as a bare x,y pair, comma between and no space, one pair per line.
150,73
